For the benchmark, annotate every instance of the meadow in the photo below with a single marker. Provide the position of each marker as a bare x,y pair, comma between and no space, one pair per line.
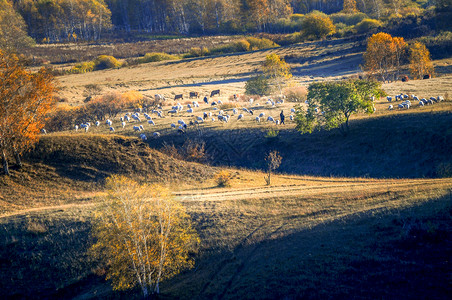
363,216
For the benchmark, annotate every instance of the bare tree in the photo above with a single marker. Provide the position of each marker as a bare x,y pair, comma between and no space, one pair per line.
273,160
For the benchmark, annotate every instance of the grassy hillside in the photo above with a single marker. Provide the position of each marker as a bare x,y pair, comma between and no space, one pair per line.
64,169
398,145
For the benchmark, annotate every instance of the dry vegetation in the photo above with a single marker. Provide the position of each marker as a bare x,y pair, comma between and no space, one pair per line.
363,233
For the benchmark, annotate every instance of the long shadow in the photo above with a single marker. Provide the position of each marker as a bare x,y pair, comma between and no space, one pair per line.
409,146
376,254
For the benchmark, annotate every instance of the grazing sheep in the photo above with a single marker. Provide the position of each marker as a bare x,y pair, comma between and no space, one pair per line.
126,118
291,117
251,100
141,127
415,98
240,117
43,131
440,98
389,98
188,105
173,125
390,107
143,137
190,110
112,129
221,112
261,115
156,134
270,119
136,128
213,103
213,119
433,99
429,101
292,110
181,122
234,111
220,102
277,122
421,103
150,122
123,124
400,106
76,127
258,120
173,111
108,122
97,123
200,119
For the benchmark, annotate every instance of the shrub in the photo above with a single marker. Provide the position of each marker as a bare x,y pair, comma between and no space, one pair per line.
198,52
156,56
316,25
271,133
296,94
83,67
348,19
260,43
368,25
257,86
103,62
223,178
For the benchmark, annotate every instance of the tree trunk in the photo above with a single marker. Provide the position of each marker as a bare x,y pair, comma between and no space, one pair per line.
18,160
5,163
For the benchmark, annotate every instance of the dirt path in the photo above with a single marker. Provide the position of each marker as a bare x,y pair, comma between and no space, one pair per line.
267,192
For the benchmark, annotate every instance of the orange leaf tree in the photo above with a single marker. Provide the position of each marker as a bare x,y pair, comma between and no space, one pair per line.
143,234
420,63
383,54
25,100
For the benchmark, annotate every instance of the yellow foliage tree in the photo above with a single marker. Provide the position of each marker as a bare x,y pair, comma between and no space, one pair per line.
420,62
143,234
276,70
25,100
350,7
383,54
317,26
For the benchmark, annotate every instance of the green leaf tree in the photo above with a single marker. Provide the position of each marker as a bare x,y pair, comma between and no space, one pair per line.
257,86
143,235
331,104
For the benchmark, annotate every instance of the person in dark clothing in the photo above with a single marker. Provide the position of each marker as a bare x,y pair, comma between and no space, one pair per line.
281,115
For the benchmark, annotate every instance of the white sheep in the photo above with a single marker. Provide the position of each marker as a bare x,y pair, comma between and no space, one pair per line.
292,110
136,128
421,103
181,122
234,111
43,131
173,111
143,137
97,123
391,107
108,122
261,115
151,122
173,125
76,127
112,129
258,119
240,117
200,119
270,119
156,134
389,98
291,117
190,110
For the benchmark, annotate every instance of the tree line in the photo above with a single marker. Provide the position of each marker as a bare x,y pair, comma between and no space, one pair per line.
73,20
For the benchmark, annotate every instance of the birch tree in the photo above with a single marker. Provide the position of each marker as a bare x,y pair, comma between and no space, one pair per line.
143,234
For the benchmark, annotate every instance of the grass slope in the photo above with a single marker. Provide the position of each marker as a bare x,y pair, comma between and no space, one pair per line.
402,145
64,169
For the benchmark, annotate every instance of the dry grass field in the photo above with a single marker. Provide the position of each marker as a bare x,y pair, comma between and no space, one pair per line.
365,216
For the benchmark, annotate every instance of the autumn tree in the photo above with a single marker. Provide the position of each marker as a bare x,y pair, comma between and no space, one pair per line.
317,25
273,160
13,31
383,54
420,62
350,7
276,70
143,234
331,104
25,100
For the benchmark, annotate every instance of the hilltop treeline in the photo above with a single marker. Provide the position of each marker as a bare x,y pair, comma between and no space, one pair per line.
73,20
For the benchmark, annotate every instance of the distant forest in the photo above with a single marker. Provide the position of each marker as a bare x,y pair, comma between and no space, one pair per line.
74,20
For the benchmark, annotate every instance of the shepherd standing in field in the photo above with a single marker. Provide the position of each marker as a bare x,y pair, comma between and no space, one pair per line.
281,115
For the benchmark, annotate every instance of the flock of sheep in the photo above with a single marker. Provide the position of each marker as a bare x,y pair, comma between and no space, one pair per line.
406,103
212,114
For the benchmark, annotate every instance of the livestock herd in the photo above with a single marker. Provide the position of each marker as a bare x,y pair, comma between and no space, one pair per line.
406,101
210,110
